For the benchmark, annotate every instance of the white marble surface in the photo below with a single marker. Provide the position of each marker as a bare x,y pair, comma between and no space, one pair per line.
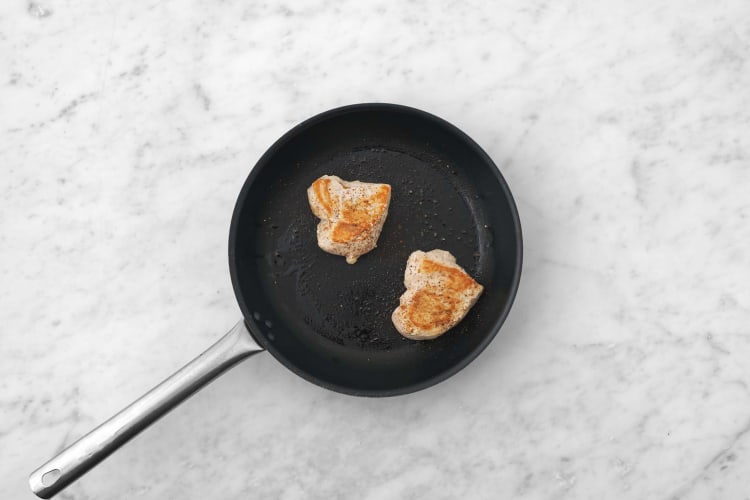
623,128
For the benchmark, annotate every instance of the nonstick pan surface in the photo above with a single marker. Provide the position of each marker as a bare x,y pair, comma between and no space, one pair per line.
329,321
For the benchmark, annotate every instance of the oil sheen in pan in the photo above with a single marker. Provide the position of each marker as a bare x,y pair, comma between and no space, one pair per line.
429,209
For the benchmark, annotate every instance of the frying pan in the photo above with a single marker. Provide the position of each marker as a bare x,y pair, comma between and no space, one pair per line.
326,320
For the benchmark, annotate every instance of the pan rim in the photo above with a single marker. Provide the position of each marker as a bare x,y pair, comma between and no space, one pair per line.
271,152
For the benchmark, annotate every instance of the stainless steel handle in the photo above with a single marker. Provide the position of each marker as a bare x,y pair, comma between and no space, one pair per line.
87,452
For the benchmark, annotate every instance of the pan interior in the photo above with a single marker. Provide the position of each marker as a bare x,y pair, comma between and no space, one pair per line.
329,321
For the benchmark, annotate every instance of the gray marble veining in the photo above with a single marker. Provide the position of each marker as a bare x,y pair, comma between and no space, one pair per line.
623,128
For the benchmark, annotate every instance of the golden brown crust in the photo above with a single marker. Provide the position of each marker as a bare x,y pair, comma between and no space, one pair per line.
351,214
456,280
428,310
321,189
438,295
361,214
345,232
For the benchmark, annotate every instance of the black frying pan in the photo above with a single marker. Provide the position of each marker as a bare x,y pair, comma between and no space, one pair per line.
324,319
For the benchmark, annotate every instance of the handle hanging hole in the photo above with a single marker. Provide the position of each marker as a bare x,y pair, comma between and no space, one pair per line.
51,477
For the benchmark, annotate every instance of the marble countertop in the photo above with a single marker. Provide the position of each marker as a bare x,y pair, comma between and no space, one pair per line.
623,129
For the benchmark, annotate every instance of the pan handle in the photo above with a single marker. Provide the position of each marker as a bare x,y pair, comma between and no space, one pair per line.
95,446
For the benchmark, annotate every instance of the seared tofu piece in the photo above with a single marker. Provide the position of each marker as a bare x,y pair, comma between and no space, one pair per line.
438,295
351,214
